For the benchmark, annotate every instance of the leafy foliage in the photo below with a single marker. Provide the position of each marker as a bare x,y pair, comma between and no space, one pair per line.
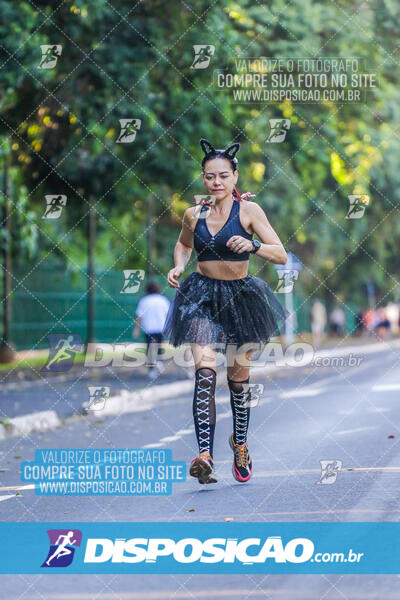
132,60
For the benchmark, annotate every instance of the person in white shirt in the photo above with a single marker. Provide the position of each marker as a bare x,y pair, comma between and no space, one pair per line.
318,321
151,314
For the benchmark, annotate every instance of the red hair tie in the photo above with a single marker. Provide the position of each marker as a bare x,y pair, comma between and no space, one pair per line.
246,196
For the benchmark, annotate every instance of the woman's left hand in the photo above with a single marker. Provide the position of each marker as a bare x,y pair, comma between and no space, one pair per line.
239,244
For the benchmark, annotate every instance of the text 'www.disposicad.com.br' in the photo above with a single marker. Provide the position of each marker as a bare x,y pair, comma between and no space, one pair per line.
103,487
101,472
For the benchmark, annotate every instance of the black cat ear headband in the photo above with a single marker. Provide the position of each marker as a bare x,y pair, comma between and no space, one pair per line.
229,152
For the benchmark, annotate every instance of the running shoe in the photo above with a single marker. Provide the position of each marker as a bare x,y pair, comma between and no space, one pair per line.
202,468
242,465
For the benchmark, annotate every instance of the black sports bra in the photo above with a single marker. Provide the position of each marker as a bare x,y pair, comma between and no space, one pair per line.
213,247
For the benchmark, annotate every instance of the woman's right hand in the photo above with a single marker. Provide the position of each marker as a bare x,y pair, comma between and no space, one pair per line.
173,276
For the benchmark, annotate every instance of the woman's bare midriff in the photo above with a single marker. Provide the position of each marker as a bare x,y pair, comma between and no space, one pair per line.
221,269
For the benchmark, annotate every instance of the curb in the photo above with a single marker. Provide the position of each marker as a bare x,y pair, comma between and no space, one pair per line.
129,402
37,421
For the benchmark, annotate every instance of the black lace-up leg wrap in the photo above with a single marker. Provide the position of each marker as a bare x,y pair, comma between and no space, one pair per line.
204,413
240,404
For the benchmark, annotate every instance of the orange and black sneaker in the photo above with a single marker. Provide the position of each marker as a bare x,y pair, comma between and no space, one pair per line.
202,468
242,465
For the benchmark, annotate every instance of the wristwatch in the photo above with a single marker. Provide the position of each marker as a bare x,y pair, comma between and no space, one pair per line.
256,246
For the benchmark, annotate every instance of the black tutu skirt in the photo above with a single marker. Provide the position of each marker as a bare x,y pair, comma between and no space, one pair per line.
210,311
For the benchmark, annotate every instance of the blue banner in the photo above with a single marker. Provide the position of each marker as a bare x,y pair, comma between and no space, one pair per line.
80,471
200,548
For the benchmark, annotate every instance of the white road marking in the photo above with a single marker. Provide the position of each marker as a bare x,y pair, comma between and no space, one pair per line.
302,393
386,387
355,430
170,438
17,488
182,432
155,445
2,498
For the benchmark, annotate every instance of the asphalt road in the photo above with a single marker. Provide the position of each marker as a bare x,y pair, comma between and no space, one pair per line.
66,392
347,414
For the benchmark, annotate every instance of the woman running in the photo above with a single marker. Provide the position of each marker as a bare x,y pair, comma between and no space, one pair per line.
220,305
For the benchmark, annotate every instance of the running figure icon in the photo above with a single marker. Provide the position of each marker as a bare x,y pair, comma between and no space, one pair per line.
65,350
63,545
62,550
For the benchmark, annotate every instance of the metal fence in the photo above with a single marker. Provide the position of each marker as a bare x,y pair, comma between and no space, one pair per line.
47,300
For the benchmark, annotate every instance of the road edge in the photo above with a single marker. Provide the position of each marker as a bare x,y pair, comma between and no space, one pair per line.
129,402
